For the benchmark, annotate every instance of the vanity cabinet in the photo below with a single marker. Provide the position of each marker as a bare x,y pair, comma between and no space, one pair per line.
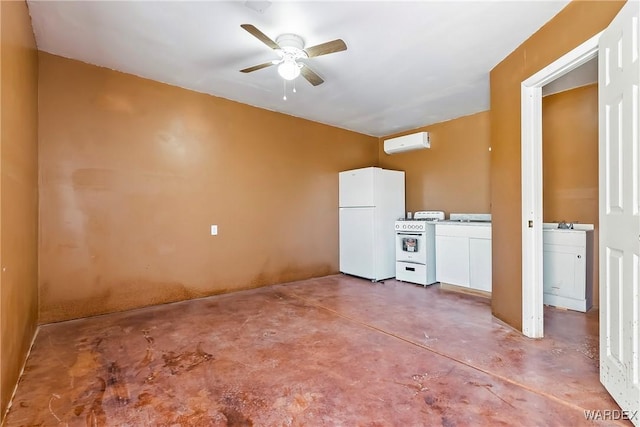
463,255
567,266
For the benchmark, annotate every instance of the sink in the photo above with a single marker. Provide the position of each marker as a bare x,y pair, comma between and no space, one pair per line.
464,222
470,217
467,220
554,226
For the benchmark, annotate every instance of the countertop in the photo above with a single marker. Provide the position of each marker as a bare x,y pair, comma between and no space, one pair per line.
465,223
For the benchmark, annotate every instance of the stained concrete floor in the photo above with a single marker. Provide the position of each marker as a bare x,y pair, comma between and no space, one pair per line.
333,351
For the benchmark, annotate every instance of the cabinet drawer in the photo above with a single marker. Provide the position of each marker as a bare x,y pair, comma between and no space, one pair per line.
464,230
564,237
411,272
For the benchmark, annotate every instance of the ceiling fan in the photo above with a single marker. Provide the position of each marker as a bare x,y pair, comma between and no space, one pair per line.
290,48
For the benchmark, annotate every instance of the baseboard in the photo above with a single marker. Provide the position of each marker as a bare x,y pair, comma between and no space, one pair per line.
15,387
465,290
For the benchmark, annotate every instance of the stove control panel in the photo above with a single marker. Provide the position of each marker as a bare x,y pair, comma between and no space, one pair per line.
411,225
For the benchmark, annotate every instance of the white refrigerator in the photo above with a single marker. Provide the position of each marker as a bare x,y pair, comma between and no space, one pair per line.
370,201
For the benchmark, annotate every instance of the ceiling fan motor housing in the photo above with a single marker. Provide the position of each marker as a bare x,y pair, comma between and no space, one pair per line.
291,46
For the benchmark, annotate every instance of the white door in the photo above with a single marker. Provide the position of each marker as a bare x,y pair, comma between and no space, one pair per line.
357,242
619,156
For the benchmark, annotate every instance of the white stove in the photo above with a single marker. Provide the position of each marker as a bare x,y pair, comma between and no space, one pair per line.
415,247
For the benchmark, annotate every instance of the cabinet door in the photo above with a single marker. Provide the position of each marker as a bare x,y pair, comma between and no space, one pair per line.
480,264
452,260
564,271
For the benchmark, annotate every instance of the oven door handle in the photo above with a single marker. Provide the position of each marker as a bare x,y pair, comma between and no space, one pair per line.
409,234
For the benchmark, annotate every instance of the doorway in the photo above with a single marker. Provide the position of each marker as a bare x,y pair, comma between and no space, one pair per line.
570,190
619,193
532,183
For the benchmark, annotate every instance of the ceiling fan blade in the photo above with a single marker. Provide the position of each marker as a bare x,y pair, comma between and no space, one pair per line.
311,76
325,48
260,36
257,67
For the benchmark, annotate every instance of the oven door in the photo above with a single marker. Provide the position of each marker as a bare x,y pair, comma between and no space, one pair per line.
411,247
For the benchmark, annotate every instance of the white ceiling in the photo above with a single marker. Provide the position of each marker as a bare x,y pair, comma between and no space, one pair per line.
408,64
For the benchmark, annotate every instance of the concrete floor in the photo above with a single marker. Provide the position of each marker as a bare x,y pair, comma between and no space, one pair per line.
334,351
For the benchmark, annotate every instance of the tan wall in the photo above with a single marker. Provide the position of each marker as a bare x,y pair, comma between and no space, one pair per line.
576,23
18,192
452,175
570,161
133,173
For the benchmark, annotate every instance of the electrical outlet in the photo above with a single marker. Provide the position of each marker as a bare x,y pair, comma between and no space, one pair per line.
214,230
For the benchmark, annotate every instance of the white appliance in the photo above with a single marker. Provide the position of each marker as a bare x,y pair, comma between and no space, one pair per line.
414,141
370,200
416,247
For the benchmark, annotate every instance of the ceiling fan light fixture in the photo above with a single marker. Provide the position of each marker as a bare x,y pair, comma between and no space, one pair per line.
289,70
291,49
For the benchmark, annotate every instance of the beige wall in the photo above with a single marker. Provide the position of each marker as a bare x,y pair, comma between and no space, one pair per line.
452,175
576,23
133,173
18,192
570,161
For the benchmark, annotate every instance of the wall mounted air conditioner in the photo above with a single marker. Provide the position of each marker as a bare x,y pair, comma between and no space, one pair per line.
414,141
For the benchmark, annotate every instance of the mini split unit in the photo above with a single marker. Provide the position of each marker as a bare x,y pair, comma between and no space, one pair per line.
414,141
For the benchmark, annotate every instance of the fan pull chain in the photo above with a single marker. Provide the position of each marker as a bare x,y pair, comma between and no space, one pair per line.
284,97
294,85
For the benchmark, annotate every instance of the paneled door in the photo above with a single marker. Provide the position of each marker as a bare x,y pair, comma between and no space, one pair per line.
619,157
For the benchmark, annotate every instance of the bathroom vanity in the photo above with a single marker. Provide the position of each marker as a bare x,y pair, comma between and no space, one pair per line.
568,265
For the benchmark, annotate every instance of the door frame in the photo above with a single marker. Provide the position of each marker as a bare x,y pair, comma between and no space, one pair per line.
531,167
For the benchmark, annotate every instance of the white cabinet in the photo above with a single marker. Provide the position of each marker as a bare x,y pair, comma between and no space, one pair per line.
463,255
480,264
452,259
567,266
